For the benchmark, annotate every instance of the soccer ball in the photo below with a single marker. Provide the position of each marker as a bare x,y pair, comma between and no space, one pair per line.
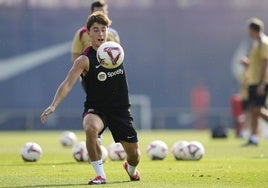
68,139
110,55
116,152
180,150
157,150
104,152
31,152
100,137
196,150
80,152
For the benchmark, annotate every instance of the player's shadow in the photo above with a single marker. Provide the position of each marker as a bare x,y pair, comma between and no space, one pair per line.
65,185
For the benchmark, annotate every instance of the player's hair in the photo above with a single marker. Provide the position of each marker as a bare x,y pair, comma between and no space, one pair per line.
98,17
97,4
256,24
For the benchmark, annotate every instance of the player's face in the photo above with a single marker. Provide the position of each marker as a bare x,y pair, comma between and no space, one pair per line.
98,34
252,34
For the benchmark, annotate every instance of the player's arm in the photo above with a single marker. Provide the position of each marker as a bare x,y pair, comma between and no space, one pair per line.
75,56
80,66
263,73
244,60
262,82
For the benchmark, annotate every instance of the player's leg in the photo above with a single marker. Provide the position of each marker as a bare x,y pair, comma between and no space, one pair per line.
253,115
257,103
133,159
121,127
263,111
246,120
132,151
254,111
93,124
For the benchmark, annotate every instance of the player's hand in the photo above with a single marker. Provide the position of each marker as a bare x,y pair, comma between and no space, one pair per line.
261,89
244,60
47,112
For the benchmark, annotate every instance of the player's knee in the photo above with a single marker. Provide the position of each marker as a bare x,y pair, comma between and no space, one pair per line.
92,124
90,129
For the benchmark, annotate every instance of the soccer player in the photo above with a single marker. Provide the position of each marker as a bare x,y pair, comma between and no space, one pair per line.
257,77
107,102
81,40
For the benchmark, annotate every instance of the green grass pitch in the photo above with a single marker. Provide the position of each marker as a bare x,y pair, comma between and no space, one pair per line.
225,163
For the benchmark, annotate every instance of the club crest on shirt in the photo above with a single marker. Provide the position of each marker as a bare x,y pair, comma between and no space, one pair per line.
102,76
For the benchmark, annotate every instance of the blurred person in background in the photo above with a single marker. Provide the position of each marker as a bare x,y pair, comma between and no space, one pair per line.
81,39
257,77
107,102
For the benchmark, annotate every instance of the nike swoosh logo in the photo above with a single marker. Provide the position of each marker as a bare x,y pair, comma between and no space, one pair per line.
14,66
97,66
130,137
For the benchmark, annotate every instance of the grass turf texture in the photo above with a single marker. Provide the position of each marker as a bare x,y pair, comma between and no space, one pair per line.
225,163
